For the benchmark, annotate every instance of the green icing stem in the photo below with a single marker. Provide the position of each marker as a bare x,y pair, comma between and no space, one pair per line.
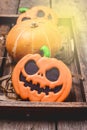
23,9
46,51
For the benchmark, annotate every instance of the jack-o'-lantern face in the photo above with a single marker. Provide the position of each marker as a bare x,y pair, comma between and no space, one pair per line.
41,79
39,12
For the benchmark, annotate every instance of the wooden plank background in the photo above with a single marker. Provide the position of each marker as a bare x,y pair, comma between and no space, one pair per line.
11,7
78,10
31,3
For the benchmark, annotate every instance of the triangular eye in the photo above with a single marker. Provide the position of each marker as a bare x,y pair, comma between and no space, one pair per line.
31,67
25,18
52,74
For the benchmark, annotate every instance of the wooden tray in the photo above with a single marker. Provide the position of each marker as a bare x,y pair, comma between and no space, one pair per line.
75,105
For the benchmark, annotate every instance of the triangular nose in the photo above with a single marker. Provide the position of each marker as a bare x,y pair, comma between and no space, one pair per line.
41,74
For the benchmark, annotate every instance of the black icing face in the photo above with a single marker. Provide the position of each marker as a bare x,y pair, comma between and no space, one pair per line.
50,75
41,79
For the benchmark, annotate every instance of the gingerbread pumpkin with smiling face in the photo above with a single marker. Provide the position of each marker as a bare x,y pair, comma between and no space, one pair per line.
39,78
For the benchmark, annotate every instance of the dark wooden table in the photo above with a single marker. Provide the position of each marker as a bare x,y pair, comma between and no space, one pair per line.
26,122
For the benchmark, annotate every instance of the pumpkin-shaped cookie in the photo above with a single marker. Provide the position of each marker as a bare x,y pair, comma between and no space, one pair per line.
30,36
39,12
39,78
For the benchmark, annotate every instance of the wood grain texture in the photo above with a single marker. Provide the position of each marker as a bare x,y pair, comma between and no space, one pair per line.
26,125
82,54
76,90
8,6
31,3
76,9
72,125
40,110
81,46
3,32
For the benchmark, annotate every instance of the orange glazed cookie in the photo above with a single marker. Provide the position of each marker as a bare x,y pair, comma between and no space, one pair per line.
39,78
30,36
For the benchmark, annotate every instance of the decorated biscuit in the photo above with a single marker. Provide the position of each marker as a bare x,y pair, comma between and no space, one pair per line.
39,78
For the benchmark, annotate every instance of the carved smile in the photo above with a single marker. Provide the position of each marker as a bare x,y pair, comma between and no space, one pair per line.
37,87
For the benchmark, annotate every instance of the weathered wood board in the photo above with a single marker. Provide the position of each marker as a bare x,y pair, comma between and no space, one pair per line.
31,3
11,7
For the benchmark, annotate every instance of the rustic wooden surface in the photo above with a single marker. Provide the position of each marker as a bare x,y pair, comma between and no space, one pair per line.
31,3
11,7
78,10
